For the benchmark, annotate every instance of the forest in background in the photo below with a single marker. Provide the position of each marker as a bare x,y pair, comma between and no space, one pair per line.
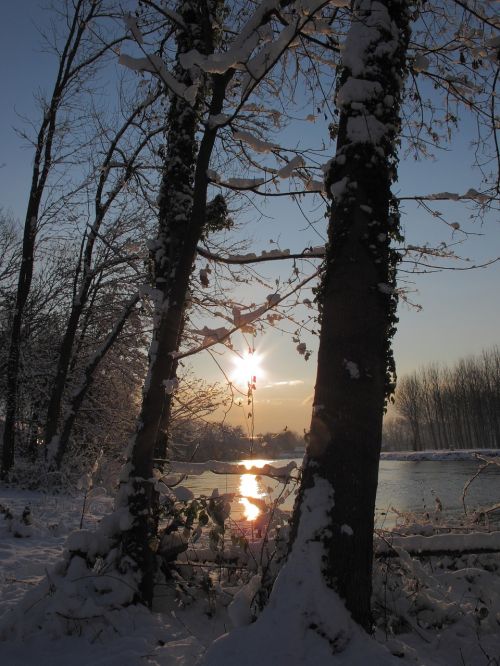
440,407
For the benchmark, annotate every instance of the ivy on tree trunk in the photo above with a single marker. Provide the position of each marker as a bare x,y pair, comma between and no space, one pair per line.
357,297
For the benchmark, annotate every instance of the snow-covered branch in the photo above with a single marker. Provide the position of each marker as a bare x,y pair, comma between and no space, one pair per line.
274,255
220,335
220,467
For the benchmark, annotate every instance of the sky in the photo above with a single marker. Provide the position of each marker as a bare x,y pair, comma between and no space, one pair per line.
458,314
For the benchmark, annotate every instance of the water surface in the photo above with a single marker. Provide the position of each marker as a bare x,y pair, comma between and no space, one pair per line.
407,486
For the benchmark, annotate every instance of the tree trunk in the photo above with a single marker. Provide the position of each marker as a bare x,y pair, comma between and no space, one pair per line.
79,17
357,299
23,290
56,395
89,371
181,220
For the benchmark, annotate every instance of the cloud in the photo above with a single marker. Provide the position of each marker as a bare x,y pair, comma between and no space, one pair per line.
307,401
291,382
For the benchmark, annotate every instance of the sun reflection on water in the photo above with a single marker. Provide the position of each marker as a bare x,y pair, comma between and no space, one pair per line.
249,489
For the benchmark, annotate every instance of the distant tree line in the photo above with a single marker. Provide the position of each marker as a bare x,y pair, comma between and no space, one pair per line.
200,441
106,369
448,408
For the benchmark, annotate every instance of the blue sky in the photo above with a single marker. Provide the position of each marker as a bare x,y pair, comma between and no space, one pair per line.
460,310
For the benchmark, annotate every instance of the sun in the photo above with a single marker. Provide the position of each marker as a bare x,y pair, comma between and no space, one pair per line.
247,369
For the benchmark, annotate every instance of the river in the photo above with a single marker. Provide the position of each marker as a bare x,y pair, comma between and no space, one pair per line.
407,486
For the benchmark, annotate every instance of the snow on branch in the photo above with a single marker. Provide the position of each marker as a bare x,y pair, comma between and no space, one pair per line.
244,54
258,145
317,252
243,183
296,163
220,335
155,65
255,30
439,544
131,24
470,195
211,335
220,467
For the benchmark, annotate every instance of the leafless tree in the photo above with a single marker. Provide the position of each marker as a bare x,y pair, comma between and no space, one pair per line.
78,48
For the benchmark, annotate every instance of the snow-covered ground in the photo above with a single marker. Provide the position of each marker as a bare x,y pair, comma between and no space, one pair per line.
458,454
442,610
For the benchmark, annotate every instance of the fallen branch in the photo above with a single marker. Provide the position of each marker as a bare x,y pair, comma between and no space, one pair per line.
439,544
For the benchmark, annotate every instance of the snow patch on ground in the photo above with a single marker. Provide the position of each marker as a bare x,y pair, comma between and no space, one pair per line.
305,623
439,610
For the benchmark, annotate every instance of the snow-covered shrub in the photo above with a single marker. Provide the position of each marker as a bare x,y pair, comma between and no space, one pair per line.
457,595
18,526
202,548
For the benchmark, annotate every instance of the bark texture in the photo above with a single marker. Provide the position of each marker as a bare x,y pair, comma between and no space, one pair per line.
357,298
183,198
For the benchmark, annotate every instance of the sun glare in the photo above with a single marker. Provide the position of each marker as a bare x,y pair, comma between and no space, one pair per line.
247,369
258,462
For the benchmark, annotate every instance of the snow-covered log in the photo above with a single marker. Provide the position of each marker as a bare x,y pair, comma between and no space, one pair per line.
221,467
439,544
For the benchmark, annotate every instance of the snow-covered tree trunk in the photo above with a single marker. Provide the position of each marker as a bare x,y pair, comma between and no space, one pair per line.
329,564
181,218
358,299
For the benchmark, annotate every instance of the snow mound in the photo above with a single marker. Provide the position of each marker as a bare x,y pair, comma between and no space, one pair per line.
305,623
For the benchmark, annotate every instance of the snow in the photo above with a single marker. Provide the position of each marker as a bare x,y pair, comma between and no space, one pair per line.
241,48
471,193
239,609
357,90
363,35
288,169
459,454
315,186
304,623
243,183
155,65
337,189
258,145
244,320
472,541
352,368
436,611
474,194
218,120
131,25
220,467
211,335
171,385
421,63
365,129
452,196
318,250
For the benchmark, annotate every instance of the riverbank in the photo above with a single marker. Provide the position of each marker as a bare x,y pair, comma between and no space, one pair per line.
452,454
457,454
441,610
